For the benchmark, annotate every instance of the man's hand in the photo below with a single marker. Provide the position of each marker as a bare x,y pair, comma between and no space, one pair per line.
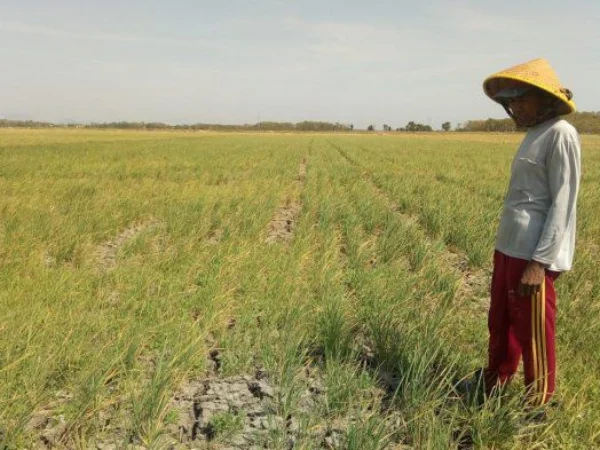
532,279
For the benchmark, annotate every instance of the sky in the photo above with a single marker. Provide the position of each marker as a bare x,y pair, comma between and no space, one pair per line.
355,62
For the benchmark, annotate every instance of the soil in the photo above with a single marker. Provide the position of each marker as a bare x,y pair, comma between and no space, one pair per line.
281,226
107,252
302,171
254,407
215,236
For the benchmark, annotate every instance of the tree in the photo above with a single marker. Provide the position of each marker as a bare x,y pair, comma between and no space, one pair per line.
414,127
446,126
387,127
371,128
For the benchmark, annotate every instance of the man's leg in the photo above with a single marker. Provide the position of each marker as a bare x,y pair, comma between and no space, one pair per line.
504,350
513,356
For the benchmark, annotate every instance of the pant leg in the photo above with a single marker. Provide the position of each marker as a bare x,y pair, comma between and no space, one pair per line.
504,351
533,322
513,356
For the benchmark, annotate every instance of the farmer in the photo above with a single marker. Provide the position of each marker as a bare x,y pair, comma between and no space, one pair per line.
536,237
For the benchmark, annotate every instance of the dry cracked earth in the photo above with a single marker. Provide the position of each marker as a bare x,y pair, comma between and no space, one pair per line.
239,412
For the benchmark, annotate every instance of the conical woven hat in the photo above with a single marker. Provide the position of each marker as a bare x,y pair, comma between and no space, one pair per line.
537,73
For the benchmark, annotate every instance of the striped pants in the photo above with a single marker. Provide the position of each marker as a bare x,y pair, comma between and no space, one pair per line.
521,326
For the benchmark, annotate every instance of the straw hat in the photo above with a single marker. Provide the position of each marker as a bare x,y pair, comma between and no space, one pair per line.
536,73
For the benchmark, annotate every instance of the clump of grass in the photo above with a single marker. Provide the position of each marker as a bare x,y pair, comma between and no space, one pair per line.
226,422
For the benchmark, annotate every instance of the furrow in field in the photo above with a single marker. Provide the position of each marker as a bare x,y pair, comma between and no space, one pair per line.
281,226
473,282
482,189
302,171
424,185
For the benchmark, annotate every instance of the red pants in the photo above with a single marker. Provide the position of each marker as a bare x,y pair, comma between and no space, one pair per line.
521,326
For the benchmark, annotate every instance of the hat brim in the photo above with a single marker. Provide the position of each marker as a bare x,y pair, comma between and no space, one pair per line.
494,84
511,92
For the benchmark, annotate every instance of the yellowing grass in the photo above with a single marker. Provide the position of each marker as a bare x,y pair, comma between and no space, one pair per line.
126,256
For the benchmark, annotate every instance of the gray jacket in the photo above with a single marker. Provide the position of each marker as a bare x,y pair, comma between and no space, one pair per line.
539,217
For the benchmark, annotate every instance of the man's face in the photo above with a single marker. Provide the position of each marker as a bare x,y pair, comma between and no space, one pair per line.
525,108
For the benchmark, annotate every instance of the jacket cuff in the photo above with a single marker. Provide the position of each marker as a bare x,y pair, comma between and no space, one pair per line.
542,261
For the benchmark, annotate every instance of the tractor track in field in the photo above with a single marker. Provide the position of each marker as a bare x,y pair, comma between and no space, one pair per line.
474,282
282,224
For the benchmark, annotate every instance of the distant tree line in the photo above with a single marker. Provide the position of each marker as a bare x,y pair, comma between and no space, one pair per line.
266,126
496,125
410,127
584,122
5,123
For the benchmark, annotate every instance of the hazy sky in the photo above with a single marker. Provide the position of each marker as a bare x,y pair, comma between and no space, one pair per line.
239,61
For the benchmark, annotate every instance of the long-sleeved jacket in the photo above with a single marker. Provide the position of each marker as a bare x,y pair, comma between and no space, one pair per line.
539,216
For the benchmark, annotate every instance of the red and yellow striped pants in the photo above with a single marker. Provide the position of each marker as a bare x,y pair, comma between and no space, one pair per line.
521,326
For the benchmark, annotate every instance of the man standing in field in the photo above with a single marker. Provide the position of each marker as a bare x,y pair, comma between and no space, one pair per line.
536,236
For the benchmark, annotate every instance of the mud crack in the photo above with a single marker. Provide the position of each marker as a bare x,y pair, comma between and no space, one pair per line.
239,410
245,412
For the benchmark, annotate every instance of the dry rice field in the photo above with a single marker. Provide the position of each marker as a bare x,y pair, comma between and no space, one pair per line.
163,290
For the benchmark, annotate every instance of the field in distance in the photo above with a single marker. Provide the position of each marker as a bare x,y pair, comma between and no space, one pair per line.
182,290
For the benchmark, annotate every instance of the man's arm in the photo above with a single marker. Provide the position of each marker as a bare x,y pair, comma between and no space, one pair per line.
563,168
563,177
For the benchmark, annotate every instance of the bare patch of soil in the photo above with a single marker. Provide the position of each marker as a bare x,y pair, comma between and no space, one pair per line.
203,406
235,413
474,283
48,427
107,252
239,412
214,237
281,226
475,286
302,171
